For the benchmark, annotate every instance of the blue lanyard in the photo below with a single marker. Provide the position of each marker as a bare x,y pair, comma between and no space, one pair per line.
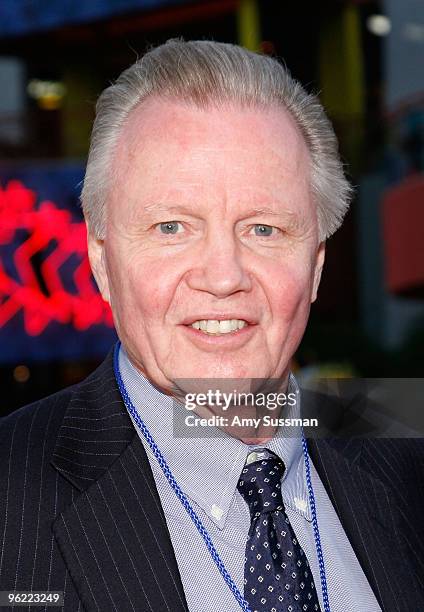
191,512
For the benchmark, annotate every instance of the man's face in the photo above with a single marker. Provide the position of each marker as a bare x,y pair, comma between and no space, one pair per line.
210,218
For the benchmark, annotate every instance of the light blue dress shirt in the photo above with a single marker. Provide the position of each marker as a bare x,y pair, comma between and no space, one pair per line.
208,470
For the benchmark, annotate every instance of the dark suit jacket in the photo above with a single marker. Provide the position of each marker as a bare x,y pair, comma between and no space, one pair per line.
80,513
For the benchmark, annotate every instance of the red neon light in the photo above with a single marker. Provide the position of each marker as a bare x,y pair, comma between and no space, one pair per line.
44,224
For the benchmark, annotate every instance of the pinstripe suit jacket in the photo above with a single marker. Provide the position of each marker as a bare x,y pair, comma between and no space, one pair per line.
80,512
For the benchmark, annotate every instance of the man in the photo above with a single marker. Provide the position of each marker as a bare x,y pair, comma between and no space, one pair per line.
212,183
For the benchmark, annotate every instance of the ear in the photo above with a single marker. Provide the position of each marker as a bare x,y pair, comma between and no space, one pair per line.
96,256
319,263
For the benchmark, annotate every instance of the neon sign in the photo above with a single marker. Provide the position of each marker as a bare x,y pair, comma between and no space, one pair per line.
44,268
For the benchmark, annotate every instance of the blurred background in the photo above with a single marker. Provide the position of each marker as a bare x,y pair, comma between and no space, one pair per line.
363,58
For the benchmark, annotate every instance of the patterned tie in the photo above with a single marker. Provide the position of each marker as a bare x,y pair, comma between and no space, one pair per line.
277,576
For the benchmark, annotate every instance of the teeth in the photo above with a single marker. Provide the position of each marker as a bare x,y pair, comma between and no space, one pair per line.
225,327
212,327
219,327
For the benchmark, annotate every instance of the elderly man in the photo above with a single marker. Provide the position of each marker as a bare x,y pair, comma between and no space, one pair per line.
212,183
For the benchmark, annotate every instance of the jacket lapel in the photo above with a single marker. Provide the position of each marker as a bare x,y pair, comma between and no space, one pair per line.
369,512
113,538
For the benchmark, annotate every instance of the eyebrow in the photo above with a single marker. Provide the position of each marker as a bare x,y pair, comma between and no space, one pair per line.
166,208
264,210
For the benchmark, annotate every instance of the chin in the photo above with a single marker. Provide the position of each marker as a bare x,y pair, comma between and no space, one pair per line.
224,371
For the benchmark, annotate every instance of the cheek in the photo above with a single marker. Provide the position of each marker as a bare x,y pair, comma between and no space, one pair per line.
144,289
290,291
290,308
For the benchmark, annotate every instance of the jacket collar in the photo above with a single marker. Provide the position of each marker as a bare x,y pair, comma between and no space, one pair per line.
95,429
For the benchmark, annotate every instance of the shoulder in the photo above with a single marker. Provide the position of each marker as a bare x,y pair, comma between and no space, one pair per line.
394,457
399,464
29,419
34,428
27,479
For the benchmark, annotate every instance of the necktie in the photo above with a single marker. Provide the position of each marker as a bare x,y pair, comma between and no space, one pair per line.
277,576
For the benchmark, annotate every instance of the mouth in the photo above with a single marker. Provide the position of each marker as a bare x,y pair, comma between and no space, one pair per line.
215,327
222,332
219,325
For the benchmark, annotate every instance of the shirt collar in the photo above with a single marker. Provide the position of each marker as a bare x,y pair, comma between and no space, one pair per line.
208,469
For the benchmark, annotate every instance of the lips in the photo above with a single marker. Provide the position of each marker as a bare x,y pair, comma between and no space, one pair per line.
211,341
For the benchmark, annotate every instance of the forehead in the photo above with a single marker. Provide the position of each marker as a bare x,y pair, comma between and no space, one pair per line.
167,142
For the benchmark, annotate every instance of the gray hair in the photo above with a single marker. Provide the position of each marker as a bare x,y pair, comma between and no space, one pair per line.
204,73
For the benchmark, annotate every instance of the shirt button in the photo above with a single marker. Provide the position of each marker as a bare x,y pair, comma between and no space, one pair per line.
217,512
301,504
251,457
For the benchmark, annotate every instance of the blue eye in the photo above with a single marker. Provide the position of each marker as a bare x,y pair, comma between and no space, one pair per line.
170,227
263,230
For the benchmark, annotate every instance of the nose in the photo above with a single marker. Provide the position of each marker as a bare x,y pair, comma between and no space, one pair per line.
219,269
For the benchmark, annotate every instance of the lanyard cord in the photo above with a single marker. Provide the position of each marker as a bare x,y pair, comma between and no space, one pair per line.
191,512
